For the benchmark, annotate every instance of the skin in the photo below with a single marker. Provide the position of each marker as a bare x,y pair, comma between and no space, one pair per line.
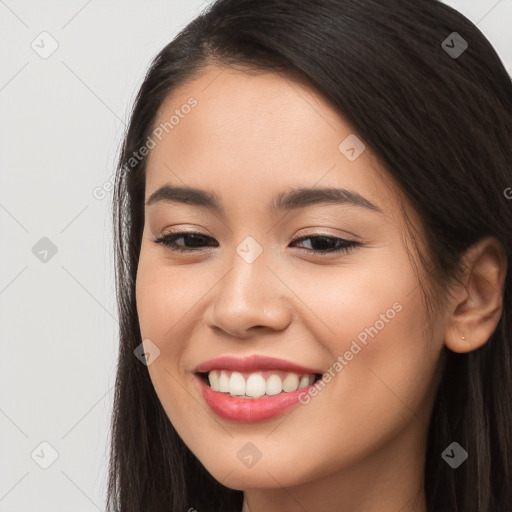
358,445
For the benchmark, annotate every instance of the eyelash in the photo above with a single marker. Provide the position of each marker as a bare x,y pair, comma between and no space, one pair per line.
169,241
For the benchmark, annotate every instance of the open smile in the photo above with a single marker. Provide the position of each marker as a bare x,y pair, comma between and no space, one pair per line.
253,389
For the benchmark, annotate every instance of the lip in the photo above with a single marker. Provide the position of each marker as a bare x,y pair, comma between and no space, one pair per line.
253,363
249,410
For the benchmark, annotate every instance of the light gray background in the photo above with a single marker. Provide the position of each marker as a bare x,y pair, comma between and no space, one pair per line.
61,124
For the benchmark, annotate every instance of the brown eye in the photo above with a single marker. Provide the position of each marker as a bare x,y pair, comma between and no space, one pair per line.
322,244
196,240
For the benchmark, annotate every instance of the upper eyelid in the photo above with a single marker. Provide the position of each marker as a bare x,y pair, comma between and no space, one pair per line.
313,233
347,247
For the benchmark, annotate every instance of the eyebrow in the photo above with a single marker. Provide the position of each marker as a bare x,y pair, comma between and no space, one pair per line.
288,200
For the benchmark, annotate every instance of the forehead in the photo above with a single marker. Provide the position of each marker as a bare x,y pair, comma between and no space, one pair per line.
256,134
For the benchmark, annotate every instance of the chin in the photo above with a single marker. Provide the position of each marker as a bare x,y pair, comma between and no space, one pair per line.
267,473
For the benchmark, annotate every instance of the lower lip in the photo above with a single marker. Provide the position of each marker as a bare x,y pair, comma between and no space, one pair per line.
249,410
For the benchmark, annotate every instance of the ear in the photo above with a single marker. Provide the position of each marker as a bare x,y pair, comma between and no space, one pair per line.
477,306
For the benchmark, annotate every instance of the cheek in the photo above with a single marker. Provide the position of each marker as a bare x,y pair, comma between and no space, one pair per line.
382,364
384,383
371,298
167,297
369,313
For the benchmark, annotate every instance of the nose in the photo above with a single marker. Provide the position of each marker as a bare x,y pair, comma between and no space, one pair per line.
248,300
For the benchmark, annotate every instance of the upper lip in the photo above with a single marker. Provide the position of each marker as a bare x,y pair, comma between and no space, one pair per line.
253,363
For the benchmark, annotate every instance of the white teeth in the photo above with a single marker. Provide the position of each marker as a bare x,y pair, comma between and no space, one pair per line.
236,384
291,382
274,385
254,385
213,377
223,383
305,381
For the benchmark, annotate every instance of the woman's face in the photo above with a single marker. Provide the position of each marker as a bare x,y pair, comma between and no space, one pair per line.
250,286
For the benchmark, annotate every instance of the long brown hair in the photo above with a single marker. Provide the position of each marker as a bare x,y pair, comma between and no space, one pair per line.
440,124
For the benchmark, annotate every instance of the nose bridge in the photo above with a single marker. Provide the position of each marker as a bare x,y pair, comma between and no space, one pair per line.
249,294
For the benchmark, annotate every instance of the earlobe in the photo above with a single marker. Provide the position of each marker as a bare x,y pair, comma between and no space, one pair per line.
475,316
